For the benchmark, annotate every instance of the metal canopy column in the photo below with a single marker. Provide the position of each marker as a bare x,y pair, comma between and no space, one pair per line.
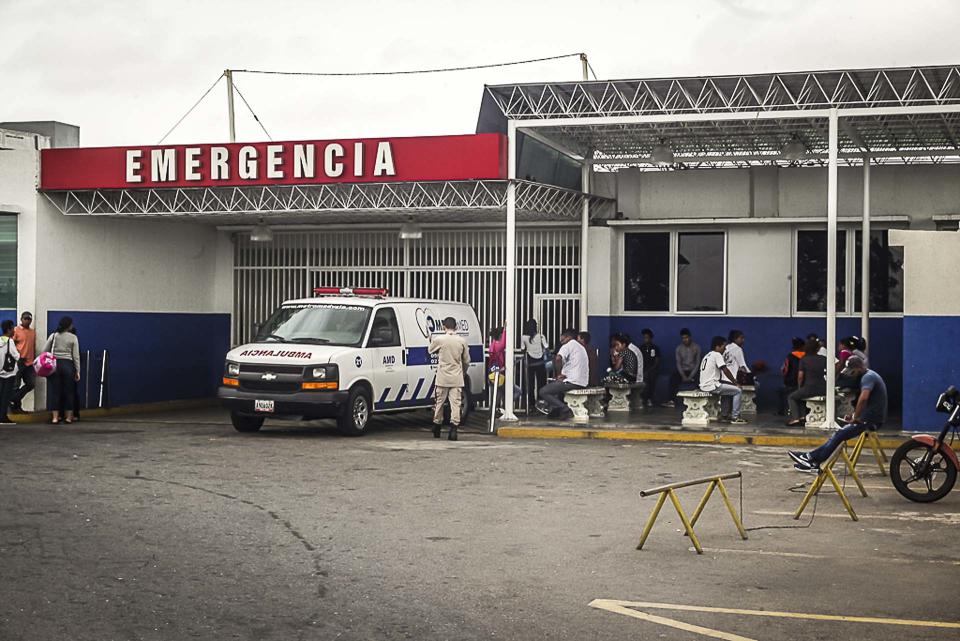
865,256
832,268
584,237
511,274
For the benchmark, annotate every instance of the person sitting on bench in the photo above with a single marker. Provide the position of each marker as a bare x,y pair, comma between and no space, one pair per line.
870,413
712,370
573,372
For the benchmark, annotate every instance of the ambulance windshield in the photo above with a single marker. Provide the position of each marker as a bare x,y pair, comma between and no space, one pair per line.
317,324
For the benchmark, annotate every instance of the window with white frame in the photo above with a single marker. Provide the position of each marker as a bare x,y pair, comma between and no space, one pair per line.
674,271
810,273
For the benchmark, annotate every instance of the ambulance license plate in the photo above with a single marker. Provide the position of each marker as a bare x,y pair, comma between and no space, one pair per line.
263,406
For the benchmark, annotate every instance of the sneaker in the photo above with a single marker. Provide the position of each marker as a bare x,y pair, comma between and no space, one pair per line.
806,467
738,421
668,404
543,408
799,457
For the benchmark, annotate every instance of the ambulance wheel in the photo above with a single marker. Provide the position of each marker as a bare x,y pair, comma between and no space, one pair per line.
246,423
355,413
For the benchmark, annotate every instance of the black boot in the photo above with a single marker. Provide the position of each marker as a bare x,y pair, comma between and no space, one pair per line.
436,430
453,433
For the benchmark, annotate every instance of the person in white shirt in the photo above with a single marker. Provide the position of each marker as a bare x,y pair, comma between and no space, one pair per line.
713,370
535,348
9,357
636,350
573,372
734,357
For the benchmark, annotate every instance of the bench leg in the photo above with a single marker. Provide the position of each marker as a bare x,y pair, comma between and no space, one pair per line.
618,400
748,403
576,405
696,412
594,406
817,416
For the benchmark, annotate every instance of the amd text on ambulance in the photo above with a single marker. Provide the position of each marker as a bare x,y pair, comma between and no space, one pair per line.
432,158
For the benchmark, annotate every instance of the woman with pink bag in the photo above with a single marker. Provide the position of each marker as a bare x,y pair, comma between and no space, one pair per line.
60,384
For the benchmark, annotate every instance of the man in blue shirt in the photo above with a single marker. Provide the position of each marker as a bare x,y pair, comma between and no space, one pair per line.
869,414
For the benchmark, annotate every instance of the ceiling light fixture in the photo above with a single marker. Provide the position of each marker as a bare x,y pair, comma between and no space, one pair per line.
793,150
261,233
411,230
662,154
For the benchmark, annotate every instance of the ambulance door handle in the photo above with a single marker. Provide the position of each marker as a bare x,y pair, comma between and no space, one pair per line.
404,356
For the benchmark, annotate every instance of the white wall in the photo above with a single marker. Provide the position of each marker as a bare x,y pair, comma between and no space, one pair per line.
927,253
18,179
113,264
920,192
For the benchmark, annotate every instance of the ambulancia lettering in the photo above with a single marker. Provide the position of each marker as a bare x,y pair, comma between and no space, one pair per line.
275,353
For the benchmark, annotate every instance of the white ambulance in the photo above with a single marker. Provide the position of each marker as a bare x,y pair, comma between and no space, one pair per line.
345,354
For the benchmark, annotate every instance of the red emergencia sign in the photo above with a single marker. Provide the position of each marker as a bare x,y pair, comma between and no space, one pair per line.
468,157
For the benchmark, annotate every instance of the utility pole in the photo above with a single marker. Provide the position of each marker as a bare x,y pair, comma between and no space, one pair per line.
228,74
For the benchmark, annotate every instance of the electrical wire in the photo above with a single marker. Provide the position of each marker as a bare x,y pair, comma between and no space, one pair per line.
408,71
190,110
250,109
813,512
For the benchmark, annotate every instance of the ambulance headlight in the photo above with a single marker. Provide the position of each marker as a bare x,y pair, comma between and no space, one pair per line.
321,373
233,369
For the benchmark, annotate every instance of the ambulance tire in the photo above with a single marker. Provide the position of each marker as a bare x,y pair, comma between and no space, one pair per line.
355,413
246,423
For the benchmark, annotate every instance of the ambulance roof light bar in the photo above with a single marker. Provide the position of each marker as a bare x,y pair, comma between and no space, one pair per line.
376,292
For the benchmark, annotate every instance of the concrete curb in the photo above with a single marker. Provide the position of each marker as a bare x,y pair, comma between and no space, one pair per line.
716,438
123,410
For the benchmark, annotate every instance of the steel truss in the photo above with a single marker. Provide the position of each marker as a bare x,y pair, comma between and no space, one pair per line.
335,202
929,137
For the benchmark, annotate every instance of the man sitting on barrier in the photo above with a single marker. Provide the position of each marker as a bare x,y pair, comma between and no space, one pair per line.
712,370
870,413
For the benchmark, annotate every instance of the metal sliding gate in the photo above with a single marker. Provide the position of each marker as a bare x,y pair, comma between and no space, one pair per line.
461,265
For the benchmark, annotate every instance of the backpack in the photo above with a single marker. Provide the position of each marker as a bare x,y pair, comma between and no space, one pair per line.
9,362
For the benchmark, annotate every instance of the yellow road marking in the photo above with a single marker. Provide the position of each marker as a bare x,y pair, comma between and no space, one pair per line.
804,555
945,517
618,608
605,604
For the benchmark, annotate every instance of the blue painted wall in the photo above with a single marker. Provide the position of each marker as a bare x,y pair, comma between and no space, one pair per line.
931,357
9,314
154,356
767,339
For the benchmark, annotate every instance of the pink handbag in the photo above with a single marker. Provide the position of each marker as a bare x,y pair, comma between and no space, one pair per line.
45,364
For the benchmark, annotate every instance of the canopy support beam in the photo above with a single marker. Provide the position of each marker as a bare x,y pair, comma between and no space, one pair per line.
509,323
865,256
831,339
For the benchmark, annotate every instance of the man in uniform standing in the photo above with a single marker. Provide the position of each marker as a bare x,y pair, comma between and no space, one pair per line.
453,359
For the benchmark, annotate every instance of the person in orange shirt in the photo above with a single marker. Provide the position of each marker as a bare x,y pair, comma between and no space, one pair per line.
25,339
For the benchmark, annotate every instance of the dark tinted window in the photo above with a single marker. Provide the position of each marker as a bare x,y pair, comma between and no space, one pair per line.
385,332
700,272
886,274
646,272
812,271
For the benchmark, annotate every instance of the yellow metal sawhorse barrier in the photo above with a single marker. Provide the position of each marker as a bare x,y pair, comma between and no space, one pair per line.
665,491
826,474
870,437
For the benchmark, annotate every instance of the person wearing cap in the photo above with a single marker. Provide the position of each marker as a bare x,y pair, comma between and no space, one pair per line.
453,360
25,338
869,414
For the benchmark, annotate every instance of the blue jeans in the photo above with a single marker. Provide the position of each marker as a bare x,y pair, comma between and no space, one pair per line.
845,433
735,395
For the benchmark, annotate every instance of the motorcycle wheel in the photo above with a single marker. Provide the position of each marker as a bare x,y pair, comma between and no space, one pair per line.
920,481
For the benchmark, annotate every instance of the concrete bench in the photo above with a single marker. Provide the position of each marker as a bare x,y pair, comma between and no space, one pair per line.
624,396
585,403
699,408
817,411
748,403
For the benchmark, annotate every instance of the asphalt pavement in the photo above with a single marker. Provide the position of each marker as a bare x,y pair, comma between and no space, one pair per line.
177,527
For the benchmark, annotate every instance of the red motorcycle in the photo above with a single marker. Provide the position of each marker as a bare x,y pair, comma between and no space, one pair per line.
924,469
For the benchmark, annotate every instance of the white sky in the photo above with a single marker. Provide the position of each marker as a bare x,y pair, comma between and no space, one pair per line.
126,70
